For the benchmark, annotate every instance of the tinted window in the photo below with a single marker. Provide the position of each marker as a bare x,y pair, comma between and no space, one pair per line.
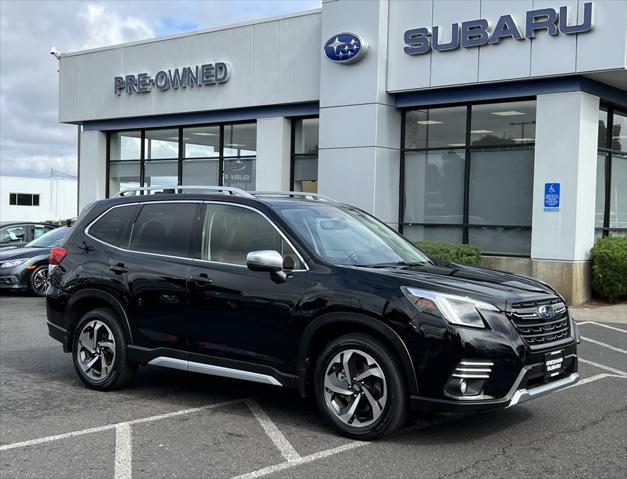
50,239
230,233
12,234
164,228
115,226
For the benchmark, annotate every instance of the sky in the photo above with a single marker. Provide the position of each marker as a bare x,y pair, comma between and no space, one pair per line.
32,141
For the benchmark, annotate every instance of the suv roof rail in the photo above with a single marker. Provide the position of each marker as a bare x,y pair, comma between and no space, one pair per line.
313,196
173,190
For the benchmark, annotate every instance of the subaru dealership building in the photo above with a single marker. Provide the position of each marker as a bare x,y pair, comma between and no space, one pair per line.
501,124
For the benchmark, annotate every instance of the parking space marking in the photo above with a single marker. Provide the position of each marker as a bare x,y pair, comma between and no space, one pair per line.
123,452
605,345
273,432
603,366
604,326
42,440
591,379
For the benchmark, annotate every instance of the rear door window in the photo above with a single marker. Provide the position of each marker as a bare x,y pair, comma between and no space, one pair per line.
114,227
164,228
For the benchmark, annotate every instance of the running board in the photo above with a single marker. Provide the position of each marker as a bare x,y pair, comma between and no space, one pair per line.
195,367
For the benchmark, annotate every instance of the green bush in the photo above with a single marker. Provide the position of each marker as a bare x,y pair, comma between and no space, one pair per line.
453,252
609,267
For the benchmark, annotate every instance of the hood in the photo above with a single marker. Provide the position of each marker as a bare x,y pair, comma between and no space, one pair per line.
496,287
16,253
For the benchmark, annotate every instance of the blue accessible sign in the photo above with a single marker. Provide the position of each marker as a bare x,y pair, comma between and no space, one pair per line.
551,197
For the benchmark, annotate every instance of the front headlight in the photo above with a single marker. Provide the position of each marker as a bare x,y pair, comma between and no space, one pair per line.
13,263
455,309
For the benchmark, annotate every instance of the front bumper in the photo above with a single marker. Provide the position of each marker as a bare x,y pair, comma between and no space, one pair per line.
524,395
9,281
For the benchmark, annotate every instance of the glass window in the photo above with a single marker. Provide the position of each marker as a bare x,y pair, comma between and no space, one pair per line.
239,173
619,132
161,173
503,123
35,200
39,231
501,187
201,172
434,190
435,128
306,175
13,198
437,234
12,234
164,228
125,145
618,192
599,212
501,240
240,140
161,144
50,239
603,128
344,235
230,233
123,176
114,227
201,142
306,132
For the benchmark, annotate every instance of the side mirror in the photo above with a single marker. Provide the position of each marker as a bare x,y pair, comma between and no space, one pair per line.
267,260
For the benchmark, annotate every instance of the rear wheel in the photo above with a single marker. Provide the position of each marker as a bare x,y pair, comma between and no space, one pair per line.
39,280
99,351
359,387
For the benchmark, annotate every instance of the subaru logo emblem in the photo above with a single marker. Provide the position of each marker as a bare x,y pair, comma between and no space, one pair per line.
345,48
546,311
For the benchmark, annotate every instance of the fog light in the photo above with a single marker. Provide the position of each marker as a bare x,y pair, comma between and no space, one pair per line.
463,386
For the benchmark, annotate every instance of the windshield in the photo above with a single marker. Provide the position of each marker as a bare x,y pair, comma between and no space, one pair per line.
50,239
347,236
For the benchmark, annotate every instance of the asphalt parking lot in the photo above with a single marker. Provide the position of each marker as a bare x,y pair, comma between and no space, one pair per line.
177,424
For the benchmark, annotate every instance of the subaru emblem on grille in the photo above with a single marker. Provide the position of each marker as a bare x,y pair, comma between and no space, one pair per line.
546,311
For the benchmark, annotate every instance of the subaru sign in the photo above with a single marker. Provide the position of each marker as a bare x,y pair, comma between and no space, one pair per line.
481,32
345,48
193,77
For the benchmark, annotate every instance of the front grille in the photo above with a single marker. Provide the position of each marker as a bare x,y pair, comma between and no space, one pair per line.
536,330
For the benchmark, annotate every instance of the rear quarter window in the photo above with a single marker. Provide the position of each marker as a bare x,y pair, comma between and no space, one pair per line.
114,227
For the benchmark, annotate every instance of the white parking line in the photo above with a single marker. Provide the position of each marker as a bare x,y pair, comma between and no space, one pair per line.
274,433
605,345
123,452
91,430
591,379
604,326
603,366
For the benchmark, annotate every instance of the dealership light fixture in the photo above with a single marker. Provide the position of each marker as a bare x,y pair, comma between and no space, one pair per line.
457,145
204,133
429,122
522,139
508,113
234,145
481,132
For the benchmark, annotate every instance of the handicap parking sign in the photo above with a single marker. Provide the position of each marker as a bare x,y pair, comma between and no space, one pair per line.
551,197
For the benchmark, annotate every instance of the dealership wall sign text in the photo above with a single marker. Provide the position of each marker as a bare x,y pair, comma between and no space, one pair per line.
192,77
476,33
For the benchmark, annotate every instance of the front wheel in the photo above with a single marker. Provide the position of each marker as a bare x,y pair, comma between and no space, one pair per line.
99,351
39,280
359,387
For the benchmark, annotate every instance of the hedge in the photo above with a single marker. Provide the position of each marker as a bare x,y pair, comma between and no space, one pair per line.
452,252
609,268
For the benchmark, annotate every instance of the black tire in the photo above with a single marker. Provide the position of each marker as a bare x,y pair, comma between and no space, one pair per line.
393,415
121,370
34,285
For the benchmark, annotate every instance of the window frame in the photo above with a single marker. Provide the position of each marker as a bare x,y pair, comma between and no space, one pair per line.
608,152
468,148
305,156
180,159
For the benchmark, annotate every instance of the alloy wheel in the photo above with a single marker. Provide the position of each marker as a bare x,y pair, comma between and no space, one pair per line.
40,280
355,388
96,350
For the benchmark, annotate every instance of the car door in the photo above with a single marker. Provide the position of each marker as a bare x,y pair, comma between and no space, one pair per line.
155,268
236,313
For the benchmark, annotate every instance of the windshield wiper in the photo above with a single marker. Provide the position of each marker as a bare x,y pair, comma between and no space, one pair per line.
387,265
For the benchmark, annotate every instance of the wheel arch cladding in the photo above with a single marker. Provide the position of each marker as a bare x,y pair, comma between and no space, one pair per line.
330,326
90,299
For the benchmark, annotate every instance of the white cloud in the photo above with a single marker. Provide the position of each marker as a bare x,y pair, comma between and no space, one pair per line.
31,139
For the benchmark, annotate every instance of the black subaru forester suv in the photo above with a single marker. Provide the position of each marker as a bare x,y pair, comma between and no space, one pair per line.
296,290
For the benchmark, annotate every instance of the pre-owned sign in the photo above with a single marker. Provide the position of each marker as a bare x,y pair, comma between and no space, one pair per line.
197,76
476,33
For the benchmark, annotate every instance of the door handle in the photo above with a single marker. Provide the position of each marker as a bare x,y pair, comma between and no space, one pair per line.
202,279
118,268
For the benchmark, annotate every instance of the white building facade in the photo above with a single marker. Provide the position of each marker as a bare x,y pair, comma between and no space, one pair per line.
501,124
37,199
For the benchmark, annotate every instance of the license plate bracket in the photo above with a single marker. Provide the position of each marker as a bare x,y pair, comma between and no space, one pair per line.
553,363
